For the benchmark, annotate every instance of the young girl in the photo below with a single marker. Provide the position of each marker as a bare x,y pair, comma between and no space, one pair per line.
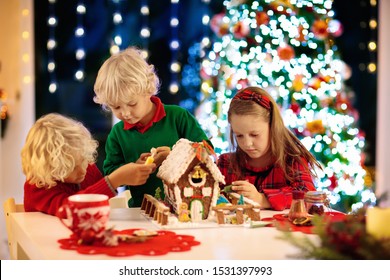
58,161
126,84
269,161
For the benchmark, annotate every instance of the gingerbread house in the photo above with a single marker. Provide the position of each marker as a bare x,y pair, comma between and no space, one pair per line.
191,180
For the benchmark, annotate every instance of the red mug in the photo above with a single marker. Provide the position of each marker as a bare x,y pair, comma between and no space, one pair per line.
85,213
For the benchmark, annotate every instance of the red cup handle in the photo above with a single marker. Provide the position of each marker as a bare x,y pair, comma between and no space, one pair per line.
65,216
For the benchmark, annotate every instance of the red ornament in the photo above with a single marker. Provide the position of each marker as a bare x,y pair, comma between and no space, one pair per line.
243,82
295,107
301,37
218,26
286,52
240,30
333,183
320,29
262,18
251,42
309,9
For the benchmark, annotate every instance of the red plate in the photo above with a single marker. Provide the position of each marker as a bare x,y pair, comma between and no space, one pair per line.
334,216
285,223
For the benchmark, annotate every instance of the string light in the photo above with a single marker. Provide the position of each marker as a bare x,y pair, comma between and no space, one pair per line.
206,30
205,42
372,44
80,35
25,54
117,20
190,80
145,30
174,45
52,22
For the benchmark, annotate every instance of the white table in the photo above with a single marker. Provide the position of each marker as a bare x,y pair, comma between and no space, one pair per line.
36,236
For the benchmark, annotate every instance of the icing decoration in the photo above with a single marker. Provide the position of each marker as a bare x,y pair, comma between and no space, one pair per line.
202,150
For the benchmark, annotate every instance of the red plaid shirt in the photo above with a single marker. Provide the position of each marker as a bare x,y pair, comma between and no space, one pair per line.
269,180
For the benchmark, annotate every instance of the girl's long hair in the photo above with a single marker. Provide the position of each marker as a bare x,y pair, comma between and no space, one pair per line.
285,147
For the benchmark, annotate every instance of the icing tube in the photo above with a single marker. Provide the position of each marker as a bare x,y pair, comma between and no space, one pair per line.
150,158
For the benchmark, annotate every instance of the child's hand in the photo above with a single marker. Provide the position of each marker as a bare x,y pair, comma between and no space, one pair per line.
139,173
143,157
133,174
246,189
161,154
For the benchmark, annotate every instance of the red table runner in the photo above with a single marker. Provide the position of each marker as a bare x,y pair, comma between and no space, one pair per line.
283,223
161,244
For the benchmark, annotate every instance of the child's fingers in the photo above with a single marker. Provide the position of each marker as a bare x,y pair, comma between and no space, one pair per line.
239,182
240,189
163,149
144,156
147,167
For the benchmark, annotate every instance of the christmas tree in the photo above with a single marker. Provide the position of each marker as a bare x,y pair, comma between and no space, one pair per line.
288,48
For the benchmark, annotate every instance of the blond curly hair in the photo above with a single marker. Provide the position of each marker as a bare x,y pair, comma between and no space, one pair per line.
53,147
123,76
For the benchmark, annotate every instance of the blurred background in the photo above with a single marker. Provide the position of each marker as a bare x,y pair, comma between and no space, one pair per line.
74,97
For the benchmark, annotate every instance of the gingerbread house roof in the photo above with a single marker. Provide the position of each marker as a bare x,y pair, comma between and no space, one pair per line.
182,154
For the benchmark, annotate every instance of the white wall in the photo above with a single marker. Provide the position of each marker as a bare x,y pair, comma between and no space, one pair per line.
383,113
17,79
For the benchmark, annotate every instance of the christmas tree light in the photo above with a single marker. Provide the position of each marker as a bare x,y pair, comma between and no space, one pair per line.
288,48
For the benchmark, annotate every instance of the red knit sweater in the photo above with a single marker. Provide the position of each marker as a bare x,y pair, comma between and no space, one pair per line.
49,200
270,180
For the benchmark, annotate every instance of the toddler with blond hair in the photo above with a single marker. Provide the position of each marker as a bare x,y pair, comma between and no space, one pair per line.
58,160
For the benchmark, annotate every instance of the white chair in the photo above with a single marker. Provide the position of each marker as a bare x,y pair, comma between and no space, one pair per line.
10,206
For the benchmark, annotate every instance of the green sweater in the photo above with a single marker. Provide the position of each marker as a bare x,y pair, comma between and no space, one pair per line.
124,146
